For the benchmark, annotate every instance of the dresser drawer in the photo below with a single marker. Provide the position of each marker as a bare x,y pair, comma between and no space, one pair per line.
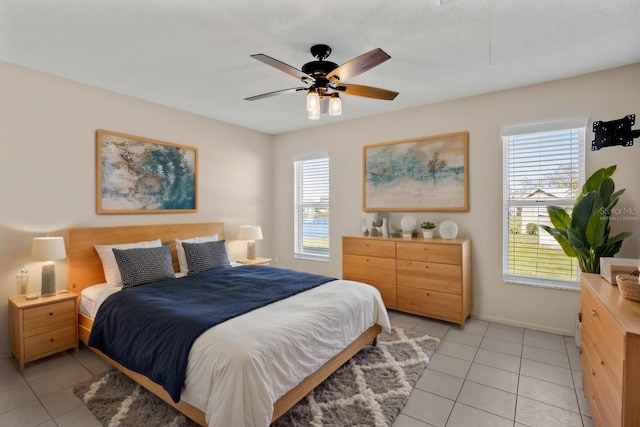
431,276
369,247
366,268
429,252
387,291
50,342
431,303
49,317
604,397
603,336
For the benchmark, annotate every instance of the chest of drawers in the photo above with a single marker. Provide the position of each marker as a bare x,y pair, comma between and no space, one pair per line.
42,326
429,277
610,353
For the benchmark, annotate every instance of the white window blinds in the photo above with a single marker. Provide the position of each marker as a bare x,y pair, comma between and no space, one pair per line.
543,165
311,216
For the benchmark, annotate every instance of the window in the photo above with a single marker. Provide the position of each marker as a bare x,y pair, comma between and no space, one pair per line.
543,165
311,215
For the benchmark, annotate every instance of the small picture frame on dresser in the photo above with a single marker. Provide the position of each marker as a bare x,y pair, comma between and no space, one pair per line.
610,267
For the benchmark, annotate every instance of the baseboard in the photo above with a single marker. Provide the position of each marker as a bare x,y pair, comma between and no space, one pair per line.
534,326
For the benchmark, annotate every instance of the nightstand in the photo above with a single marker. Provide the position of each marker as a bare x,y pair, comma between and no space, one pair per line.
257,261
43,326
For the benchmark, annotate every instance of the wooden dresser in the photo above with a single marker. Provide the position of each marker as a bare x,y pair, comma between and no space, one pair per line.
610,353
429,277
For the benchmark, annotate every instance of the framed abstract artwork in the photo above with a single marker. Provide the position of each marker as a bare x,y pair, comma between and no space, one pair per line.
141,175
422,174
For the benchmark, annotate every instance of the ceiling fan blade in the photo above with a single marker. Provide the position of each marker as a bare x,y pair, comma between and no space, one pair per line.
358,65
283,67
275,93
367,91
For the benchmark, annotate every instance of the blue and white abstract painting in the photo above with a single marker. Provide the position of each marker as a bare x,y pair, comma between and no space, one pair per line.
413,175
141,176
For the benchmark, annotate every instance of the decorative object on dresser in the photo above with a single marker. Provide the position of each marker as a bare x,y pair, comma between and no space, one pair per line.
419,174
629,285
610,267
156,177
22,282
42,326
430,279
250,233
610,353
48,249
448,229
427,229
408,226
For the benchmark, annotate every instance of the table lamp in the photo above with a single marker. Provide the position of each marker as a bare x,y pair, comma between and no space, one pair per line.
251,233
48,249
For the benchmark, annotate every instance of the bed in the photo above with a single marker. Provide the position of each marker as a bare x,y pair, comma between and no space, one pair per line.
308,352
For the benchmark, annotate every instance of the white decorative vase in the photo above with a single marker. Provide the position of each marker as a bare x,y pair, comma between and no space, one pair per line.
448,229
385,227
427,234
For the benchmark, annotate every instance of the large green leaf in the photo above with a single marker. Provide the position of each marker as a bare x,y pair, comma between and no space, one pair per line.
594,232
559,217
594,181
582,212
606,190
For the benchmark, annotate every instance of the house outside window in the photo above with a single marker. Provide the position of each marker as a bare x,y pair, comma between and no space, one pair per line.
543,165
311,216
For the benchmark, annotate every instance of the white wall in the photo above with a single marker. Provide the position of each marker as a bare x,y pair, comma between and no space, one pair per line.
47,168
606,95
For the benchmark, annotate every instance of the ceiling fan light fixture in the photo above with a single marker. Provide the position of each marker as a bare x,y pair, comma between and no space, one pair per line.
335,105
314,114
313,100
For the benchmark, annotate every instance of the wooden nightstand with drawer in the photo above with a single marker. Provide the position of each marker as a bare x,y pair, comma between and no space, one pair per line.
42,326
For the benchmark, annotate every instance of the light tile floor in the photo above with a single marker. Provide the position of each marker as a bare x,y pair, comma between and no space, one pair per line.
485,375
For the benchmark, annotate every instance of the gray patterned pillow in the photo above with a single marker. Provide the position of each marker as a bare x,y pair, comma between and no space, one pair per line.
206,256
144,265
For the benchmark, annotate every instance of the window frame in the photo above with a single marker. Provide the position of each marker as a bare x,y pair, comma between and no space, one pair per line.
509,134
299,251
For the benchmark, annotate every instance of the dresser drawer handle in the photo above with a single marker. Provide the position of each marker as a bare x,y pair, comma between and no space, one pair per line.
50,313
593,312
602,362
593,372
51,340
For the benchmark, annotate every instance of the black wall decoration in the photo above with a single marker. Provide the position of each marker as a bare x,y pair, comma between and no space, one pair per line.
615,132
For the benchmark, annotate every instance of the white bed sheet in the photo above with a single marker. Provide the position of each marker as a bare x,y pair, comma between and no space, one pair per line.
238,369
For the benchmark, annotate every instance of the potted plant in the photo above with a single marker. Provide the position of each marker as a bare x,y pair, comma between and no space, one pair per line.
584,234
427,229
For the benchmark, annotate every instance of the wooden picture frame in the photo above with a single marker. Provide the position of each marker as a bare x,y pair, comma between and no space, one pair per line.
421,174
137,175
610,267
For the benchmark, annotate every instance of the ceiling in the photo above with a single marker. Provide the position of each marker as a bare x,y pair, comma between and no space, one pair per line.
194,54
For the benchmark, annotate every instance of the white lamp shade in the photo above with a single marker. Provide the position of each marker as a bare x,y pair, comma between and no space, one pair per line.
48,249
250,232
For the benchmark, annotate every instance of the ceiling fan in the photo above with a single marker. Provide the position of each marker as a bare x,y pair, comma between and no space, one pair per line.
325,80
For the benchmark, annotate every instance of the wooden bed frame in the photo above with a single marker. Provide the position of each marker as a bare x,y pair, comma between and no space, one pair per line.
85,269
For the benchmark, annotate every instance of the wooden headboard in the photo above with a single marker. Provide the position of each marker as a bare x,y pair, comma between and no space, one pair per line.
85,268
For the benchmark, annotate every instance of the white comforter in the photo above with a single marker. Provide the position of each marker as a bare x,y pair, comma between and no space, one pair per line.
238,369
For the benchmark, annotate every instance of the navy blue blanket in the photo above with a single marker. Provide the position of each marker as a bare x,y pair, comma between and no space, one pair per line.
150,328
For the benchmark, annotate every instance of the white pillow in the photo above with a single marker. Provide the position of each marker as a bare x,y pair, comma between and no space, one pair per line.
182,258
109,264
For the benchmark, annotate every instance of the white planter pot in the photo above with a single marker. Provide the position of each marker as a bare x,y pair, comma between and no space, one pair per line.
427,234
